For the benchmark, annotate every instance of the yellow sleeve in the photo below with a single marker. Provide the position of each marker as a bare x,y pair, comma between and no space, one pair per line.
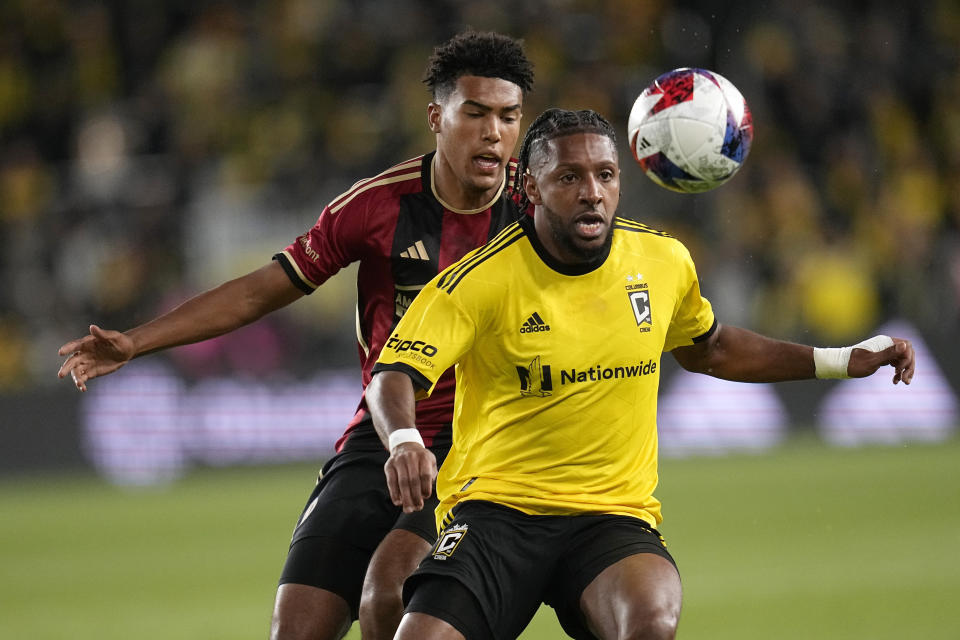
430,338
693,318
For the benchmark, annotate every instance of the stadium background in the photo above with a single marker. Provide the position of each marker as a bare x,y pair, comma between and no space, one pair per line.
151,150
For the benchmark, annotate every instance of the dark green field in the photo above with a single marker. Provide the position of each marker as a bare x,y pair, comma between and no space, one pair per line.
808,542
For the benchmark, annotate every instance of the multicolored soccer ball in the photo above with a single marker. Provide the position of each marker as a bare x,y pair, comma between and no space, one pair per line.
690,130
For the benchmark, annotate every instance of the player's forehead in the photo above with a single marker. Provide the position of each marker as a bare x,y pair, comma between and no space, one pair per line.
492,93
584,149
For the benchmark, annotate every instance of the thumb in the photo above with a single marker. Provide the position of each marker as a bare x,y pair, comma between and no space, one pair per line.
97,332
892,352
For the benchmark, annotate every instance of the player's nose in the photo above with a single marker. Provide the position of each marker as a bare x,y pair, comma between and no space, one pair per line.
591,190
491,129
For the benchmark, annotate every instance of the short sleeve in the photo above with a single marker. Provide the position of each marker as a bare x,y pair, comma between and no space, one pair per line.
693,319
336,240
430,338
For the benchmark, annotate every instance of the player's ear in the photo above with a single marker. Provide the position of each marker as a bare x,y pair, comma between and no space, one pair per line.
434,113
531,189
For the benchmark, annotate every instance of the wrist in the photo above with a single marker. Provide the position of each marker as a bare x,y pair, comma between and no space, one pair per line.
401,436
832,362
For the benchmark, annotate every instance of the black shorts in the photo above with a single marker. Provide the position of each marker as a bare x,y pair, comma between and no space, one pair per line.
347,515
510,562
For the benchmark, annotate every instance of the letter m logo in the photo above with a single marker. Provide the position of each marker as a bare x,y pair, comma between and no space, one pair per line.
535,380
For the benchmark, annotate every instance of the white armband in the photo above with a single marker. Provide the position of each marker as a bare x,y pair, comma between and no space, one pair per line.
400,436
832,362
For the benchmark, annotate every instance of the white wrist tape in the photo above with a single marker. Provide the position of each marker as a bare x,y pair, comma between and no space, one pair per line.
404,435
832,362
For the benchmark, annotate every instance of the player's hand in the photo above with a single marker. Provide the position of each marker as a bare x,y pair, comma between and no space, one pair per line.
900,356
97,354
411,470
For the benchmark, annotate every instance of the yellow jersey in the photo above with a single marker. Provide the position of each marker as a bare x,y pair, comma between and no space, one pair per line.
557,368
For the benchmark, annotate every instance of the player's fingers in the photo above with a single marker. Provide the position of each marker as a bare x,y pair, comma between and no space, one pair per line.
67,365
79,371
428,472
426,484
404,484
393,483
97,332
893,357
74,345
896,361
79,381
70,347
416,491
906,364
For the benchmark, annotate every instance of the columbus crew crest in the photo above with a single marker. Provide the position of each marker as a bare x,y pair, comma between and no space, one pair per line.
639,295
449,540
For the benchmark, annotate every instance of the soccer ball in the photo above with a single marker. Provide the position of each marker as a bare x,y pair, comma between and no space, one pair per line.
690,130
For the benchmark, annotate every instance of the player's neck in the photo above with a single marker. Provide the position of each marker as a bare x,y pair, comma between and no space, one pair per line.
459,196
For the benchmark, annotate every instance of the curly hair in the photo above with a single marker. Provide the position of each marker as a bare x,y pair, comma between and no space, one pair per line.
475,53
555,123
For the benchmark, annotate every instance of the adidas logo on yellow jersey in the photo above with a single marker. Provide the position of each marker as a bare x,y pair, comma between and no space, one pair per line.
534,324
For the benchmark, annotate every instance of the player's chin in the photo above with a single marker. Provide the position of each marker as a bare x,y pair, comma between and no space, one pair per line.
592,243
486,180
589,250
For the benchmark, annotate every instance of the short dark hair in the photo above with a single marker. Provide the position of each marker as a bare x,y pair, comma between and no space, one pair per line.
475,53
555,123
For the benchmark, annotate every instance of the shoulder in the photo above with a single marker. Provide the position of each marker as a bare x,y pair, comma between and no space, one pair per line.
652,240
398,180
484,266
632,226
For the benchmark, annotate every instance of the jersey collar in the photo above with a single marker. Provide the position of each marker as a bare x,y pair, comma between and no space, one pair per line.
526,223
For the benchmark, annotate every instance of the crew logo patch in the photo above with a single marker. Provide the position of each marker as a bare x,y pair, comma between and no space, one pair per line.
639,296
449,540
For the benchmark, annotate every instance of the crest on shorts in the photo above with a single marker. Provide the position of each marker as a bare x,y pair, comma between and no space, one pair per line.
448,542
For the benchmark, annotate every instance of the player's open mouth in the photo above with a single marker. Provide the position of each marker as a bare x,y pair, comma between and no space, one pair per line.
487,163
590,225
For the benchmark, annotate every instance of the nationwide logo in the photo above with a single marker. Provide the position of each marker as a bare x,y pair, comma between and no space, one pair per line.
598,373
534,324
536,379
416,251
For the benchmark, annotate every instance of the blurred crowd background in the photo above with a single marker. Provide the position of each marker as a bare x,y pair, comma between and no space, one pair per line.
150,150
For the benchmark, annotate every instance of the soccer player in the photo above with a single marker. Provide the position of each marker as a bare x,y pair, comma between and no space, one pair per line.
403,226
556,328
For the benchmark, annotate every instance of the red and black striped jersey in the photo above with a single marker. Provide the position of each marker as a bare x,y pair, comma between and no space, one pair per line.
402,234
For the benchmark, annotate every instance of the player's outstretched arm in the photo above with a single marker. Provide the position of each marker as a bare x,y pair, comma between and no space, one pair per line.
411,468
738,354
207,315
